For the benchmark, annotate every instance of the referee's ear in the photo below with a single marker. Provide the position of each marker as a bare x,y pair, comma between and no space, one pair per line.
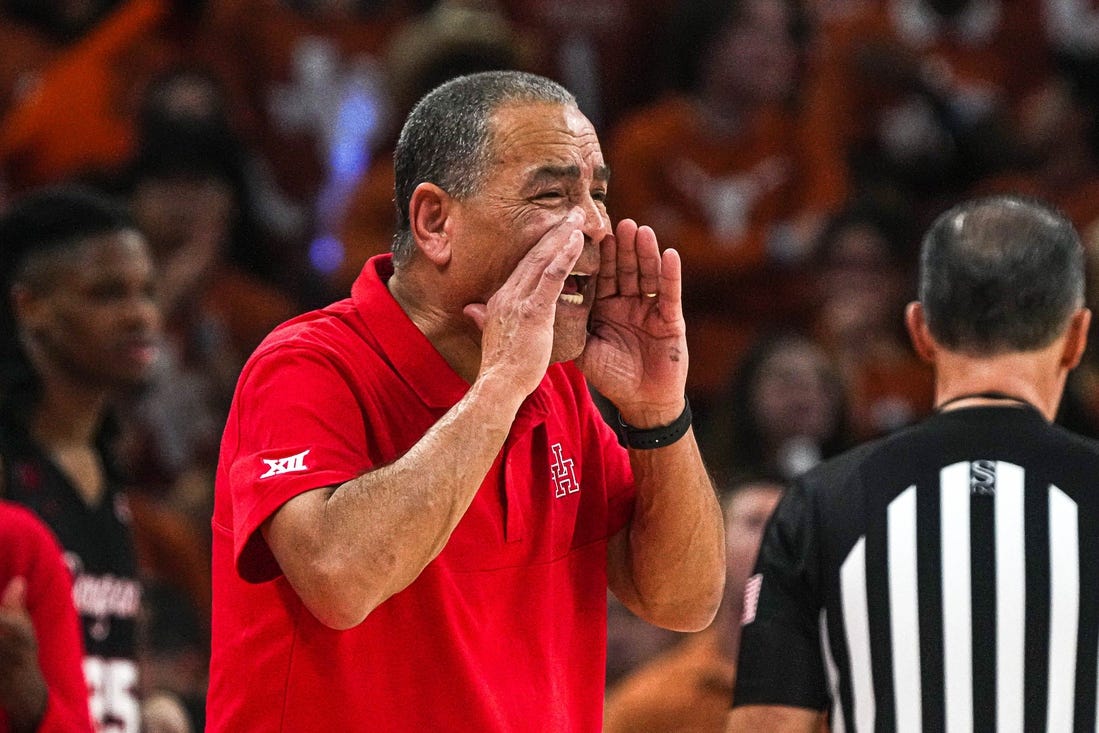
922,340
1076,339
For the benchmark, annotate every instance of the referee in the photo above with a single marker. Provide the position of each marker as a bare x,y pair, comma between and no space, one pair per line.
946,578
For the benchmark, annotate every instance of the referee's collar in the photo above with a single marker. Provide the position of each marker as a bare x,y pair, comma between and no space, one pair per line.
1020,407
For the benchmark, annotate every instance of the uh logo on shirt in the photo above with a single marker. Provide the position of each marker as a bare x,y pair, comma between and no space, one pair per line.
563,472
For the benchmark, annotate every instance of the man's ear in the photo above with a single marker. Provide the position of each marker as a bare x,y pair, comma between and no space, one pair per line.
429,212
922,340
1077,338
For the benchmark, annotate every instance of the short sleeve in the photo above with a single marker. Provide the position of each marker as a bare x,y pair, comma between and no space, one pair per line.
296,426
780,659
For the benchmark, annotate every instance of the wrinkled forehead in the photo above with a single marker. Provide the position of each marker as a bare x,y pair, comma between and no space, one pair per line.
534,134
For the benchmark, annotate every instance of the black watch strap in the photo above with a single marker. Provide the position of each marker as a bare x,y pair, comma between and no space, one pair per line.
658,437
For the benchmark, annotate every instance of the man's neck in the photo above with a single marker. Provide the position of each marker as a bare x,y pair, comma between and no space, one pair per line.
67,416
64,425
1030,377
452,334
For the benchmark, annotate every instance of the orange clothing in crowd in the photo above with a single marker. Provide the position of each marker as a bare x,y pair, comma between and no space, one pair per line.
868,82
169,548
291,71
687,689
889,392
67,109
727,205
248,308
721,201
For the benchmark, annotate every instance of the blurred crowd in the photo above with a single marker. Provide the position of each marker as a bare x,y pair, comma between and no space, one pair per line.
791,151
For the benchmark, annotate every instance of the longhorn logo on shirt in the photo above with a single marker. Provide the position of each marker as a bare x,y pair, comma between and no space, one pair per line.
564,476
290,464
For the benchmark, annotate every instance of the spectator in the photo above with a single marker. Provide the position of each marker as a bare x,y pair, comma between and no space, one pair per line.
1057,135
688,687
1058,139
918,95
189,196
188,105
456,37
78,324
71,76
305,82
860,276
609,53
723,169
785,411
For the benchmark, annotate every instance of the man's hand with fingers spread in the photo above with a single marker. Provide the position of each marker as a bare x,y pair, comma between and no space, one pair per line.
22,688
636,354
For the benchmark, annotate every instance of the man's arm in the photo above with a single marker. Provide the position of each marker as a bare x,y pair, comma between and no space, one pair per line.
346,549
774,719
668,564
662,564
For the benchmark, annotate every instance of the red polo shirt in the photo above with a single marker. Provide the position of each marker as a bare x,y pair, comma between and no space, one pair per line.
504,631
28,549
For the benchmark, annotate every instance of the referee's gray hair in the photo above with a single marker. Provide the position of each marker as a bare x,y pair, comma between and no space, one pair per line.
999,274
447,138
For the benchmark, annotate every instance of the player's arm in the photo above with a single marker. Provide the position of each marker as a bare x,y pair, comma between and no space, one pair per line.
346,549
774,719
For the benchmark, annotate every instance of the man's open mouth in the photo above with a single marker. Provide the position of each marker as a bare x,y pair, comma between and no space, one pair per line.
573,291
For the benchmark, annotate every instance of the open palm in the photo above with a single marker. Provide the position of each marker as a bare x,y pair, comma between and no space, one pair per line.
636,353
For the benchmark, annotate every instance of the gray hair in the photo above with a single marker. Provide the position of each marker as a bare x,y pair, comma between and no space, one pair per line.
1000,274
446,139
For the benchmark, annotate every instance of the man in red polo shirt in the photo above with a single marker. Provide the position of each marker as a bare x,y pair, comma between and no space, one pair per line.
418,508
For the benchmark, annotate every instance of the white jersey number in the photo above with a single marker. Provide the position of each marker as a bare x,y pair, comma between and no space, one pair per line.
112,694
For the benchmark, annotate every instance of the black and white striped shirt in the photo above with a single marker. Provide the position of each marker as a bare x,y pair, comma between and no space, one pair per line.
953,570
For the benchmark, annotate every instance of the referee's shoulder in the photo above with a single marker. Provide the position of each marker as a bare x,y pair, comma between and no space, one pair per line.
1076,441
841,471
